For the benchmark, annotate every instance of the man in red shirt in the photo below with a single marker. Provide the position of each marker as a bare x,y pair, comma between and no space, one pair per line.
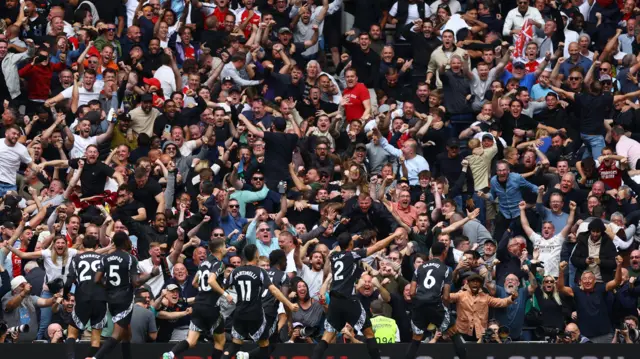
355,98
609,172
248,16
39,73
219,9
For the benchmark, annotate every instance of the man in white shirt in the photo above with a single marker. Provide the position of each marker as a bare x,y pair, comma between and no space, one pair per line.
12,154
87,91
155,260
80,140
516,17
313,273
548,244
286,243
413,162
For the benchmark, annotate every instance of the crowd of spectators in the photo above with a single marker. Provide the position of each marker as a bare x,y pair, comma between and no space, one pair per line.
506,130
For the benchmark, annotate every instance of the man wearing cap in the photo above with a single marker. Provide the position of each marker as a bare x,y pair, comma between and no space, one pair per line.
19,307
143,321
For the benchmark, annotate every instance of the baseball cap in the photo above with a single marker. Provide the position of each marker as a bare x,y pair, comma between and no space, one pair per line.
487,136
167,143
227,79
384,108
452,142
92,116
298,324
17,281
284,29
519,64
403,180
361,147
490,240
171,287
146,97
605,77
234,89
9,225
280,123
152,82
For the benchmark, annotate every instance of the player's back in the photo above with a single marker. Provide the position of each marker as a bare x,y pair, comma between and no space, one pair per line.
119,267
249,282
430,278
269,302
84,268
206,295
344,271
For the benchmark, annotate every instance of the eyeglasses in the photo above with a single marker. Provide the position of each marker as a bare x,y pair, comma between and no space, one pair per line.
218,234
234,206
111,29
635,257
258,178
263,230
550,281
603,69
575,78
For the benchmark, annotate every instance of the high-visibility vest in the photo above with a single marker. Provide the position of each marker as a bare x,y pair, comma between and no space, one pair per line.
385,329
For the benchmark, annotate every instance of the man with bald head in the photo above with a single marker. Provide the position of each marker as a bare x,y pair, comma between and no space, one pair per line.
573,335
569,191
634,263
574,60
183,280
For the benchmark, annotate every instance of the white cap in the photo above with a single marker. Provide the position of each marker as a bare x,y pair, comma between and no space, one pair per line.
17,281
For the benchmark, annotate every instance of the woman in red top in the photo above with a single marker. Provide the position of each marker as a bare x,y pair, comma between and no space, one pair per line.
355,98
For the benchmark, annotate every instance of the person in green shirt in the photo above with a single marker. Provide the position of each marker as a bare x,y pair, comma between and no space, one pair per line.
385,329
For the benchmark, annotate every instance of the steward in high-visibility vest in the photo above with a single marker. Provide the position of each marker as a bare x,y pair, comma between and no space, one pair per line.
385,329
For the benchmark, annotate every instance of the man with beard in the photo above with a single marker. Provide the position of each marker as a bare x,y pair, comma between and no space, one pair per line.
144,116
311,273
513,316
548,242
12,154
423,42
127,206
153,60
634,263
475,303
591,299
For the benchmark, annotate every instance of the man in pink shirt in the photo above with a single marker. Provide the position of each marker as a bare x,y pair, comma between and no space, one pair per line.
626,146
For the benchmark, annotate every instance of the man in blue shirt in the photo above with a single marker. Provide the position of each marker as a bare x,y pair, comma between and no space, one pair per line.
575,59
507,187
513,315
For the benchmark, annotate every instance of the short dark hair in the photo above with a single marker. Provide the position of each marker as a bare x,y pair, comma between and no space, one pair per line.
250,252
437,249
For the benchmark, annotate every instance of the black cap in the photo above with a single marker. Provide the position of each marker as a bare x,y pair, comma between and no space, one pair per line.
361,147
475,277
280,124
92,116
284,29
227,79
234,89
146,97
452,142
9,225
403,180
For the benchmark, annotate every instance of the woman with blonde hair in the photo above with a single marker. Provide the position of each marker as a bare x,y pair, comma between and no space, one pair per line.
555,308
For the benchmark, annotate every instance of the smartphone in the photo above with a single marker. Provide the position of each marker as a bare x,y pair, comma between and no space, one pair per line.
112,116
167,128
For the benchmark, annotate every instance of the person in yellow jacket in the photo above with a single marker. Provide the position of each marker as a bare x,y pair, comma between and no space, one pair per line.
384,328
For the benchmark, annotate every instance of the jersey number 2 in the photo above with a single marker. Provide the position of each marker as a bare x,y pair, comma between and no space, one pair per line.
338,267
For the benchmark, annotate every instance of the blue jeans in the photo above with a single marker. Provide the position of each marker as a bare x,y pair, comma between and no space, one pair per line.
594,144
5,187
45,316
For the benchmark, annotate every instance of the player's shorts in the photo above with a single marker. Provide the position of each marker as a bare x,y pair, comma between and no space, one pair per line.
93,311
206,318
272,324
121,312
344,310
430,313
254,329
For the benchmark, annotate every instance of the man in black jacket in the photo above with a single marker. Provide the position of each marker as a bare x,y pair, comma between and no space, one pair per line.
364,60
423,42
362,213
596,252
